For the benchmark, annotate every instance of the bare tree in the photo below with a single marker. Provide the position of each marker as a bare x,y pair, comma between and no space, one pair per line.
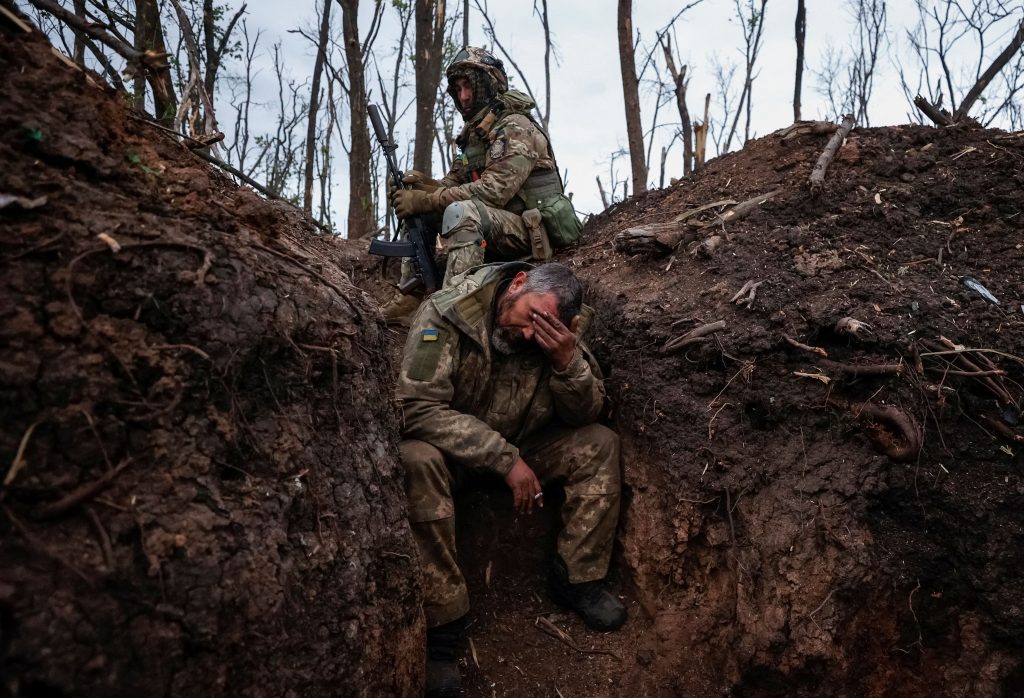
937,44
752,24
631,96
361,218
679,83
314,104
543,111
800,36
430,26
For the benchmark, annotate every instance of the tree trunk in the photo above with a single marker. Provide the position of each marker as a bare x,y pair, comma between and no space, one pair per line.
679,81
314,104
429,52
360,212
149,36
631,97
1001,60
79,49
801,35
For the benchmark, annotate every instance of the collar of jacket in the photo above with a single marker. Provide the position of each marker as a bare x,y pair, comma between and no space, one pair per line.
469,303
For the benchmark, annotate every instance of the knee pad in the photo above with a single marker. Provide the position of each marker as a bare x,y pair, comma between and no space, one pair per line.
458,220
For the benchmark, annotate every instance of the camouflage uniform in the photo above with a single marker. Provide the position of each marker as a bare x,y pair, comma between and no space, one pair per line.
468,407
505,167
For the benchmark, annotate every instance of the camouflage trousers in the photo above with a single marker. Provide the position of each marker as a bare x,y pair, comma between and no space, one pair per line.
585,459
484,234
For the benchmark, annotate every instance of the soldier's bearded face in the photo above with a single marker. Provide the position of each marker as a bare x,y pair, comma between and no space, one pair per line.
514,329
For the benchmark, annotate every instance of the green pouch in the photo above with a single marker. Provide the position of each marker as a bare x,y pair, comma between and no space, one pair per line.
560,221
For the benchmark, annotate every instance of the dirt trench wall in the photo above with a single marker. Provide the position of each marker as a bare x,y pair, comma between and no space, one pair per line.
778,551
201,491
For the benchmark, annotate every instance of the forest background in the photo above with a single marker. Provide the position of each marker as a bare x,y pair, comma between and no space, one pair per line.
632,97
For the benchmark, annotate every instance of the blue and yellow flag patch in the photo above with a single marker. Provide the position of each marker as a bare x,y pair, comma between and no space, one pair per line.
429,335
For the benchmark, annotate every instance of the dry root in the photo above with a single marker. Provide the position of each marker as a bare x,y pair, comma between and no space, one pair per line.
894,432
854,328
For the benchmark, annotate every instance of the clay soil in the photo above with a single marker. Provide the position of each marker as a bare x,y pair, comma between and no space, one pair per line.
199,443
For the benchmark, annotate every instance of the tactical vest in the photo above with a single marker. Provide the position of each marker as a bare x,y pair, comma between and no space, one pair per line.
542,190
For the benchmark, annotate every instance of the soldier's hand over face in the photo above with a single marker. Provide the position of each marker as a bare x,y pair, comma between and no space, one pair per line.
525,487
411,202
557,341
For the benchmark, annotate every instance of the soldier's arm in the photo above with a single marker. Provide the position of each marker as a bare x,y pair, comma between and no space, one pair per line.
511,158
578,391
425,391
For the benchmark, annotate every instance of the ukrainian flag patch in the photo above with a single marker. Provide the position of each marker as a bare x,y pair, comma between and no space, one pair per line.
429,335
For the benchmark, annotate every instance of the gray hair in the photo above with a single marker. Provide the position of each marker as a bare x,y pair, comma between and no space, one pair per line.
557,279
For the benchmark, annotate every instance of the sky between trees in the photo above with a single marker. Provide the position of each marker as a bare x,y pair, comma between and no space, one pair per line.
587,121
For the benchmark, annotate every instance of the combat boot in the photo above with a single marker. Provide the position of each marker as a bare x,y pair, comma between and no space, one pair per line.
597,606
399,309
444,645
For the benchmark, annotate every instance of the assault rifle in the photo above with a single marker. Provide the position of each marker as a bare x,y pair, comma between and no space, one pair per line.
419,243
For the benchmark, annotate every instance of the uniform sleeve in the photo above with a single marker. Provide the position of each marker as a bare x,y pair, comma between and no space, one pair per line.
511,158
425,391
578,391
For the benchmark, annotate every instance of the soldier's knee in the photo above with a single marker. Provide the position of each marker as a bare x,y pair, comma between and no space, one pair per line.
419,456
427,484
602,456
461,223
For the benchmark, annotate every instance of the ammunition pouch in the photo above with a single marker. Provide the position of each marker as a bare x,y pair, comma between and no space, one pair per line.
543,191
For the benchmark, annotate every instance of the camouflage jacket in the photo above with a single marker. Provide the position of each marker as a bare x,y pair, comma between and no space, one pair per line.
499,155
474,404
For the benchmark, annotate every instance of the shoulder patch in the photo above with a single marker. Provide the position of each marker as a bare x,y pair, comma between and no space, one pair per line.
497,150
427,354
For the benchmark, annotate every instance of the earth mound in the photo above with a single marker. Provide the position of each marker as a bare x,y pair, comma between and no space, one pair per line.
201,492
821,399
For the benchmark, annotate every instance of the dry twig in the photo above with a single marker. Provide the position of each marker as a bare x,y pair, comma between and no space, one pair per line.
825,159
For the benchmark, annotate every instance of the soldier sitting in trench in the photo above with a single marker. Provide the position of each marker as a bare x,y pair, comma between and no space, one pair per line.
503,196
495,379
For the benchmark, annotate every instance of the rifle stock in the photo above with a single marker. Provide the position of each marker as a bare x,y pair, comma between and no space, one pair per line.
420,241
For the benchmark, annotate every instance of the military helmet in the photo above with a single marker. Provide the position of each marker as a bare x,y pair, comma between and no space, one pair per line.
485,72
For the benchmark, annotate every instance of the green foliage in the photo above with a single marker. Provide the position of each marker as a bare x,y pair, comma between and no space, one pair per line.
134,158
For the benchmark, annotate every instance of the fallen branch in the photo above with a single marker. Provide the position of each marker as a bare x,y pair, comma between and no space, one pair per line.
805,128
1003,430
806,347
820,167
694,336
743,208
938,117
79,495
665,237
861,370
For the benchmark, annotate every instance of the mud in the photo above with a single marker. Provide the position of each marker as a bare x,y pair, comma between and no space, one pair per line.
207,498
201,488
776,548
